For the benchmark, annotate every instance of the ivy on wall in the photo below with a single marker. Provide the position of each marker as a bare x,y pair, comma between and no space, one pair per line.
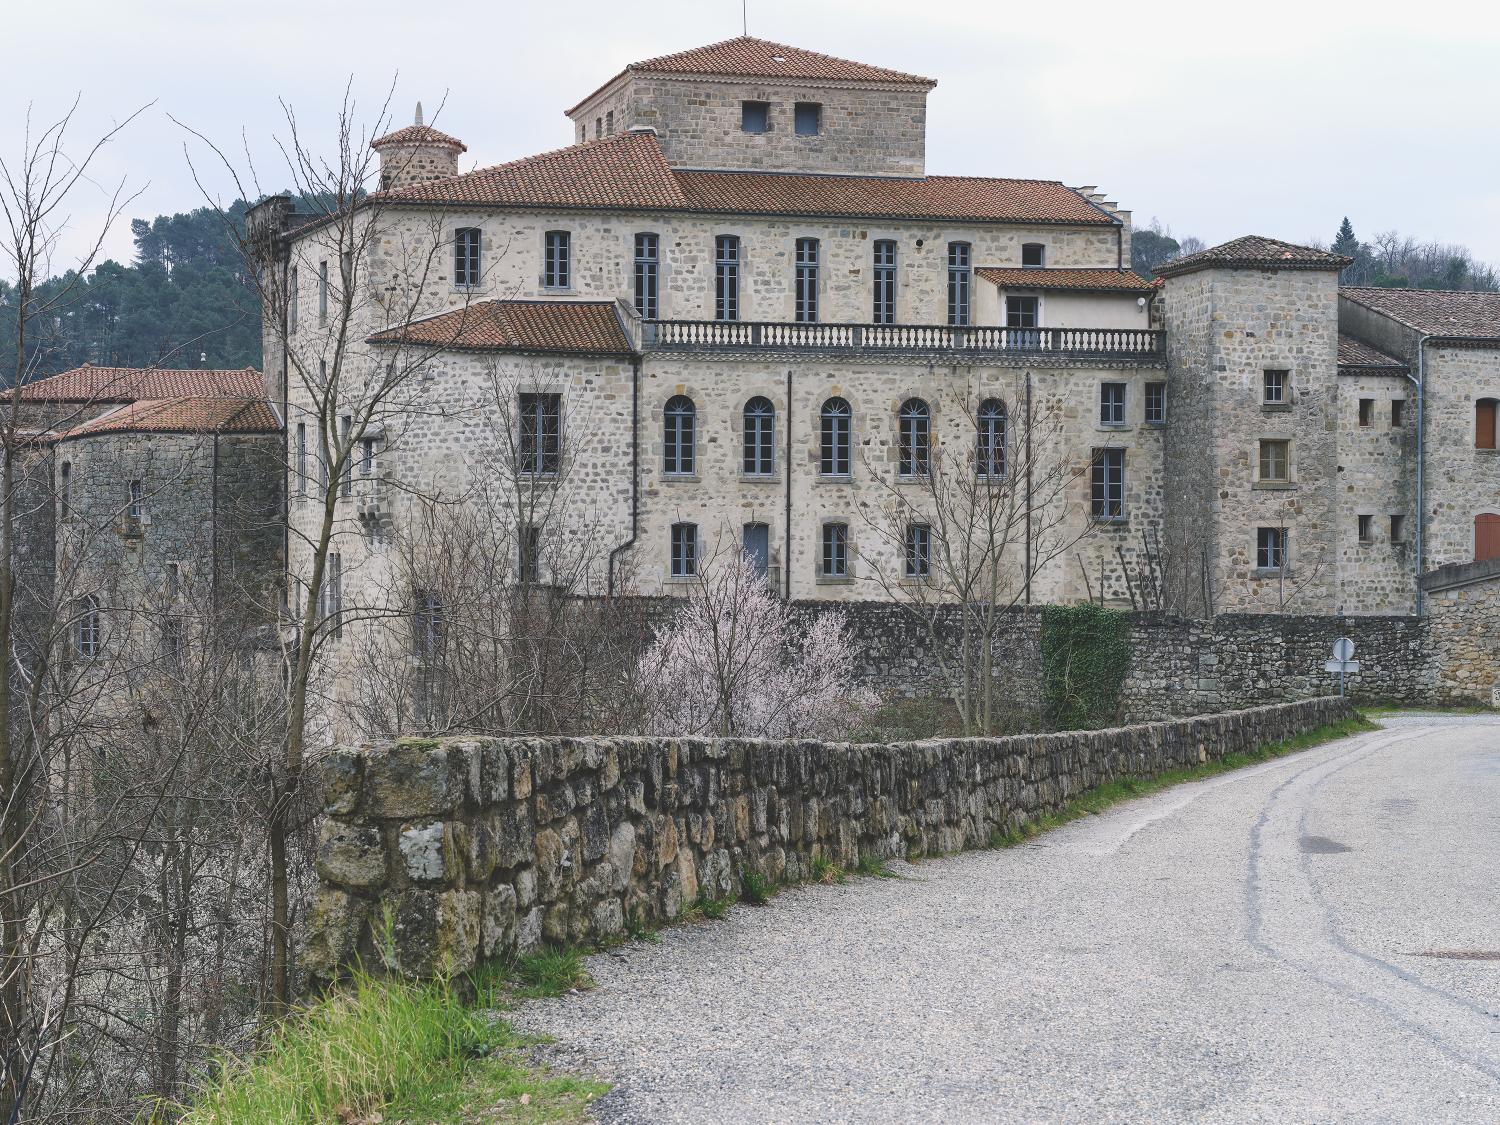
1085,652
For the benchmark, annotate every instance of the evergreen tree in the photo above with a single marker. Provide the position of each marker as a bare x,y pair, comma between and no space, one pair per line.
1344,242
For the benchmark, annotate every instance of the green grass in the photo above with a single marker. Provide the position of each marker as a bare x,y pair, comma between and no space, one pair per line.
707,906
875,867
407,1052
824,870
1097,800
755,888
550,972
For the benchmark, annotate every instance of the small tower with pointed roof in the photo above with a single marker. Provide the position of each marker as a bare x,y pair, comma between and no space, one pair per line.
416,154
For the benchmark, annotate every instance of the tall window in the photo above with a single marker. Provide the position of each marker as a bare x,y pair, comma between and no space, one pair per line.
755,117
760,437
301,458
1270,548
88,633
885,281
174,579
989,456
1022,310
1398,413
958,283
64,489
346,478
1156,404
466,257
609,123
333,595
684,550
1273,387
427,623
1275,461
647,272
135,508
807,119
530,561
292,300
1366,527
1485,411
1367,412
174,642
1111,404
1033,255
807,280
727,277
541,433
918,550
678,423
557,266
835,550
916,438
1108,484
323,292
834,455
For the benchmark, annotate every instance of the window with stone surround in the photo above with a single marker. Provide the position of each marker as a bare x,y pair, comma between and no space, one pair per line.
1156,404
609,123
1107,485
1367,412
466,257
332,596
807,118
88,632
835,560
835,423
173,579
684,550
679,421
291,303
541,433
755,117
1033,256
135,507
727,277
959,283
301,458
915,423
1366,527
323,292
1485,411
647,275
1275,461
1112,404
64,489
346,431
426,623
918,550
806,292
1398,529
1274,387
1398,413
760,438
557,265
885,281
1486,537
989,453
1271,548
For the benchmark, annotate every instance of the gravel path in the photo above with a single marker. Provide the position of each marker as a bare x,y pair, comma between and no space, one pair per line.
1249,948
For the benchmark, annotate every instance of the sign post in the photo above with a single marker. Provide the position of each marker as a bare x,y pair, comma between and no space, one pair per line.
1343,661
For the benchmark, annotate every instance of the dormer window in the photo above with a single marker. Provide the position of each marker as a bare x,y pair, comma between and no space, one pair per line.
755,117
808,117
1033,256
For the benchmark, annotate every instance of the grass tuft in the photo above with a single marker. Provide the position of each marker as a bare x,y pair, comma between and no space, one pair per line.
755,889
707,906
824,870
550,972
875,867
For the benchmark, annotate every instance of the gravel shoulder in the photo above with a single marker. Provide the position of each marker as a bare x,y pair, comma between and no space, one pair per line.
1255,947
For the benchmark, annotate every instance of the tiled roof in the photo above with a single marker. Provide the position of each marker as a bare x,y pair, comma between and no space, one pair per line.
748,57
629,172
1095,280
1356,354
1255,252
1436,311
567,327
127,384
419,135
197,415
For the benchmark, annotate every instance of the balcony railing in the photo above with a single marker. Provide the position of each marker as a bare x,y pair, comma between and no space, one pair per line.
714,335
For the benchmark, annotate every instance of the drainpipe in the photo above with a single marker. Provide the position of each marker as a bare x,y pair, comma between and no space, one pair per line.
1027,563
1421,384
786,562
635,470
213,536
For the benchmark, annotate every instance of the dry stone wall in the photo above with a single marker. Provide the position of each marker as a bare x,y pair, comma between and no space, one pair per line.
435,855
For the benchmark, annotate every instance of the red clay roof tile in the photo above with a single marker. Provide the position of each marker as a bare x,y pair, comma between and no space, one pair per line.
127,384
198,415
419,135
1255,252
567,327
1358,354
1095,280
1441,312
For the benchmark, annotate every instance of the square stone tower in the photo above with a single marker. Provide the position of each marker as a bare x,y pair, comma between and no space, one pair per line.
746,104
1252,464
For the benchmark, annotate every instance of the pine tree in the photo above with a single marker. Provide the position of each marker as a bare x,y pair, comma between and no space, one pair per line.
1344,242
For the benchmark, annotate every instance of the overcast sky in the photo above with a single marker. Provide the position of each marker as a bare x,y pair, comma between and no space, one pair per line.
1220,119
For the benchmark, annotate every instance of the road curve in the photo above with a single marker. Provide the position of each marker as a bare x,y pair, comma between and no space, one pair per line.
1314,939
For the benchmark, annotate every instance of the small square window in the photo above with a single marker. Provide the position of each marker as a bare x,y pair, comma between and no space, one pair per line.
1367,412
808,117
1274,387
1033,256
1156,403
1111,404
1021,310
1398,529
1398,413
1366,529
755,117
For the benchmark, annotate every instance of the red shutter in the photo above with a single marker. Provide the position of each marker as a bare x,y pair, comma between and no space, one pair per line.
1484,424
1486,537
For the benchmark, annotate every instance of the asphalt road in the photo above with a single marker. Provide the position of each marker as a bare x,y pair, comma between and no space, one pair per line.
1264,946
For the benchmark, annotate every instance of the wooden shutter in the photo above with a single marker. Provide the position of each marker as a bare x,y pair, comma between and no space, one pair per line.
1486,537
1484,424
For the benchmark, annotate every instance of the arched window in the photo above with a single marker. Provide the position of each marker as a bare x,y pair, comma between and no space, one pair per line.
989,456
760,437
916,438
90,634
834,457
1484,422
1486,537
678,426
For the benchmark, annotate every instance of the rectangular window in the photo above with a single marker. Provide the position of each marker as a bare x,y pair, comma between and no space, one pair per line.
885,281
1111,404
89,630
1485,412
727,277
1156,403
755,117
808,119
598,127
174,642
1270,548
136,508
346,479
367,457
1398,413
647,273
958,283
609,123
1108,484
323,292
1366,529
466,257
1398,529
1033,256
301,459
557,267
530,561
1021,310
835,550
918,550
807,281
174,579
291,303
427,623
1367,412
64,490
541,434
1273,387
333,595
1275,461
684,550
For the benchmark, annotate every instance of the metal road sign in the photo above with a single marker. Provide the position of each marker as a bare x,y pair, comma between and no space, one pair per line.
1343,649
1341,666
1343,662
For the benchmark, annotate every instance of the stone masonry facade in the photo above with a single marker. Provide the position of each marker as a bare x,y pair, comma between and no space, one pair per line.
436,855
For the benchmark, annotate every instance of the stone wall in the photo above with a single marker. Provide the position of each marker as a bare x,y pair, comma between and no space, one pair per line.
1463,609
436,855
